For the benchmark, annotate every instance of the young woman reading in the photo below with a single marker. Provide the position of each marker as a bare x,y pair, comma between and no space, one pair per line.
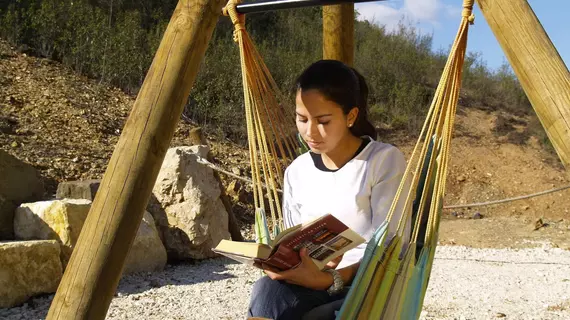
347,173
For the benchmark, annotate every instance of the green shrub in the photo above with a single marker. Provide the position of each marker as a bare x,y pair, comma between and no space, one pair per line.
115,41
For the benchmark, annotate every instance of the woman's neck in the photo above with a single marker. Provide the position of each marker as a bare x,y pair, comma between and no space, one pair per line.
343,153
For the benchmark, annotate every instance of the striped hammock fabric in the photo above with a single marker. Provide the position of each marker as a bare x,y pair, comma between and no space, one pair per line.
394,274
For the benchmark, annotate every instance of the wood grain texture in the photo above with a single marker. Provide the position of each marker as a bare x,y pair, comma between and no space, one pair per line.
338,33
95,267
538,66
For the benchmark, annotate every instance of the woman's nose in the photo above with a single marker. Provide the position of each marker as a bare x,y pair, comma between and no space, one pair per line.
311,130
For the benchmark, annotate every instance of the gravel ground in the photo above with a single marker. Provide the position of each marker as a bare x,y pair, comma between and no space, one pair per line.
466,284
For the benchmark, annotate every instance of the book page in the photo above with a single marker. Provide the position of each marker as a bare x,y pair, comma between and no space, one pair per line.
335,246
325,239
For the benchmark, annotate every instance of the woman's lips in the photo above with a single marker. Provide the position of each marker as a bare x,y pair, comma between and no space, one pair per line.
314,144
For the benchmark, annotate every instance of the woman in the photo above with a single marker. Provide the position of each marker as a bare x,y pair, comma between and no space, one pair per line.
346,173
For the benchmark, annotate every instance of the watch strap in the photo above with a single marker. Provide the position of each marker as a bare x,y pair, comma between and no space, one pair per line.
337,284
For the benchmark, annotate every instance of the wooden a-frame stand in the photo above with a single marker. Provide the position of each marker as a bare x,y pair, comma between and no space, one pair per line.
96,265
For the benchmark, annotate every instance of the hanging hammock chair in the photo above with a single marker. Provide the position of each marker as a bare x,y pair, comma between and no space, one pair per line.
394,272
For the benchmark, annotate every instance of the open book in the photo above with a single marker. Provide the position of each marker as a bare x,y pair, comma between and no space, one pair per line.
326,238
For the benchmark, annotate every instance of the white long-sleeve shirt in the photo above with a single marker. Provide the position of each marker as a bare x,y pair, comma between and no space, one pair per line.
359,194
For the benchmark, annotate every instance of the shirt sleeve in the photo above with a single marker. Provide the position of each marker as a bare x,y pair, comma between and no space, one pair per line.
291,214
390,173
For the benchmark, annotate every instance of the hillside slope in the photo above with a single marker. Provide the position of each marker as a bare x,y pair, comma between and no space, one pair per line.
67,125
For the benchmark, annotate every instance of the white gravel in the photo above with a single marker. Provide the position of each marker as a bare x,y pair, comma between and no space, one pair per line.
466,283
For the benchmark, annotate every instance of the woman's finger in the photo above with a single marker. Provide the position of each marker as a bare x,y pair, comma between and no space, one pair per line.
273,275
306,260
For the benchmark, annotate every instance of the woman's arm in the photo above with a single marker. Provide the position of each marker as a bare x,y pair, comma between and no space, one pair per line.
291,216
390,173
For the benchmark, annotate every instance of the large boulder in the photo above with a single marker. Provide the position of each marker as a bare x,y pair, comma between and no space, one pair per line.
28,268
59,220
19,182
147,252
190,215
62,220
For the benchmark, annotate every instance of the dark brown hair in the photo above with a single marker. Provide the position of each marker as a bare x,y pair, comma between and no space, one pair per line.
343,85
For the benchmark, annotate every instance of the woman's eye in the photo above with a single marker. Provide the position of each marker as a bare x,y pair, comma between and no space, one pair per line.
302,120
324,122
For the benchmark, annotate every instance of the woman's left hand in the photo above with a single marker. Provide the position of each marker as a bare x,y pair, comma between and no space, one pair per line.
306,274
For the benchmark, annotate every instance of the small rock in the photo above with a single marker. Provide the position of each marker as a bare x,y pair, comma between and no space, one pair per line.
78,189
538,224
233,188
500,315
477,215
525,207
236,170
14,144
154,283
461,178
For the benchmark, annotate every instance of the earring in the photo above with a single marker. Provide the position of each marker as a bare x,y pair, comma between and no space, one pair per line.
350,125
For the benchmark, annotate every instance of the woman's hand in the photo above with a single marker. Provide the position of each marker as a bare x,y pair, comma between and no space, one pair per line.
306,274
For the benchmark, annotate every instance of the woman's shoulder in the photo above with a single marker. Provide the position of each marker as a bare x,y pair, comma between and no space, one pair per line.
381,151
301,163
385,160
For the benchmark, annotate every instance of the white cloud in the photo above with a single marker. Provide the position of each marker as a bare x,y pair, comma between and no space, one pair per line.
390,14
452,11
380,14
423,10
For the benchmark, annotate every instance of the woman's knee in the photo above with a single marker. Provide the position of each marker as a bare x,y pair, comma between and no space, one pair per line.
267,290
264,285
270,298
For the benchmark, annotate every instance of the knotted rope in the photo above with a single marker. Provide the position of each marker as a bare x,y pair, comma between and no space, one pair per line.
269,128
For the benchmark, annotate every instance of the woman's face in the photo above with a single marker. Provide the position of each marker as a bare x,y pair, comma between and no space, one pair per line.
321,122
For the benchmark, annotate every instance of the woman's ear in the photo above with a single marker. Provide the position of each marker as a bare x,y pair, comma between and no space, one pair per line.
351,117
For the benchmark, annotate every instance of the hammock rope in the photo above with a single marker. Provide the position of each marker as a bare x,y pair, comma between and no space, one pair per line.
270,128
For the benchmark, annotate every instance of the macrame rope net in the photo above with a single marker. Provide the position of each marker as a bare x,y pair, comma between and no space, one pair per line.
270,129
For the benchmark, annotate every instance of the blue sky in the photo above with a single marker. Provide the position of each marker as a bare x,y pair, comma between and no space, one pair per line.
441,18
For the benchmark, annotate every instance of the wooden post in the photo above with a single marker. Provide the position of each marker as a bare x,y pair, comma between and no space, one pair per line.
538,66
96,265
338,32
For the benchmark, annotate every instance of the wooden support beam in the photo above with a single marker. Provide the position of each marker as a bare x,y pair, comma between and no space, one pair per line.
338,32
96,265
538,66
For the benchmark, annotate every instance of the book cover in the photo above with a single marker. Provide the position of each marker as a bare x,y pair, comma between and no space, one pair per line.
325,238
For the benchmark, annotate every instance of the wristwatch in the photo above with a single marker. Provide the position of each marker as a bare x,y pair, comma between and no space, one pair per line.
337,285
